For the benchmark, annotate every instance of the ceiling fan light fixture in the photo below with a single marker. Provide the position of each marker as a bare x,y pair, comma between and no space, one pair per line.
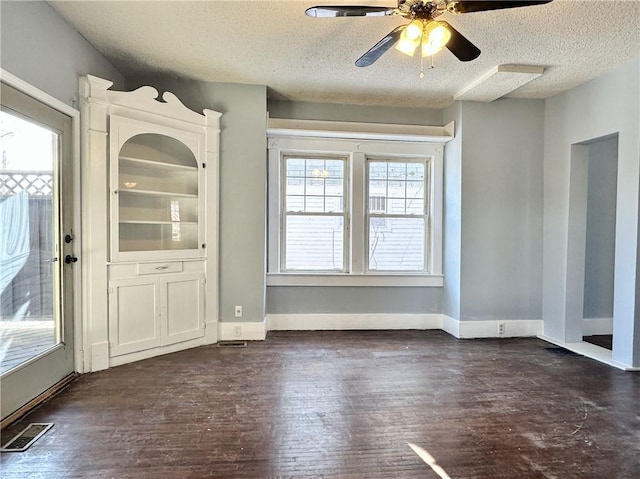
428,49
406,45
414,30
434,37
437,34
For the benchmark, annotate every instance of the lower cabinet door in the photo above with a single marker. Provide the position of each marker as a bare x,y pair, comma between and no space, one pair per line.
182,307
134,315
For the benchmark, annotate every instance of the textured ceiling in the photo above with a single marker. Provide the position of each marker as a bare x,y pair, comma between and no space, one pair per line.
274,43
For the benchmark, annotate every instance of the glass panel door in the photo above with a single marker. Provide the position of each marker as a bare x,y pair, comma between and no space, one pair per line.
29,320
36,202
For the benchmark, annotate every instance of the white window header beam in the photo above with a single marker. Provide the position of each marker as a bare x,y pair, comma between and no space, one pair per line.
278,127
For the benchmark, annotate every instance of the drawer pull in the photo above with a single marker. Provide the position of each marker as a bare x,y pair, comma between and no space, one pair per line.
160,268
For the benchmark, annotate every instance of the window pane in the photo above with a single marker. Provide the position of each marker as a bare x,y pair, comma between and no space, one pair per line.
295,203
295,167
334,186
415,171
315,186
377,170
396,189
415,197
314,243
312,179
335,168
315,204
333,204
415,189
397,170
415,207
395,206
315,168
295,186
397,244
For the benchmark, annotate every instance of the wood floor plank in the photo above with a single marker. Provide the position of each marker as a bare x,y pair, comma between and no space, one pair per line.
343,405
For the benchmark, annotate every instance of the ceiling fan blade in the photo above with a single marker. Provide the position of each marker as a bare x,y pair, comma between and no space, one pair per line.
380,48
464,6
324,11
458,44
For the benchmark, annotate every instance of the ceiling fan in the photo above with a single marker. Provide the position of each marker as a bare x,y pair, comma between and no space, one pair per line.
424,30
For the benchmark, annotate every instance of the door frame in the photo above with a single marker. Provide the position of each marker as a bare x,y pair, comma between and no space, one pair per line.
76,283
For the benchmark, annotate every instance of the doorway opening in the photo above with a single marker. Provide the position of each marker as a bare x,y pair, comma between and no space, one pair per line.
591,242
602,185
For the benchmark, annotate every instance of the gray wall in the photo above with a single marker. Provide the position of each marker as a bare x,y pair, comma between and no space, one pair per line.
493,211
39,47
242,186
502,152
601,227
352,300
605,106
452,221
357,113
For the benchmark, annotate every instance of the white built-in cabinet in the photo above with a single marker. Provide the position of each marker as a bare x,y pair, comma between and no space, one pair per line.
157,177
159,162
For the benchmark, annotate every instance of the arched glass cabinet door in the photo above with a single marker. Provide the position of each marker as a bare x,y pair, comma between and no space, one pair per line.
158,182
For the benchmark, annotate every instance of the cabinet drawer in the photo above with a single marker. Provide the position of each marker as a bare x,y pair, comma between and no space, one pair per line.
155,268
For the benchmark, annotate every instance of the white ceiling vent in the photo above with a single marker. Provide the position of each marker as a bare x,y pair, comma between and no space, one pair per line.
498,82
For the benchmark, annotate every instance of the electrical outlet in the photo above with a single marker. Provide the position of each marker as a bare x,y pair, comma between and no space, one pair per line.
501,328
237,331
238,311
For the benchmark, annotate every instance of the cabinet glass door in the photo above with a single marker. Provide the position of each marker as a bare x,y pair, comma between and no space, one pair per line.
158,183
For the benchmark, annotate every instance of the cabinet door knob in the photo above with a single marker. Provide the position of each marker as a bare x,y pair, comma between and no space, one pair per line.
70,259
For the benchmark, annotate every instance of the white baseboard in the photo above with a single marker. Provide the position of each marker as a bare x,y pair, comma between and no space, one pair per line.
211,332
451,326
336,322
99,356
459,329
242,331
591,326
512,328
590,351
157,351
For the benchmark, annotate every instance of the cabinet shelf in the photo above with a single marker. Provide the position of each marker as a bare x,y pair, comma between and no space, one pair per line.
157,164
158,193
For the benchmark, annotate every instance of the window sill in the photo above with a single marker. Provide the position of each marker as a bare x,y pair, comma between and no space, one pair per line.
337,279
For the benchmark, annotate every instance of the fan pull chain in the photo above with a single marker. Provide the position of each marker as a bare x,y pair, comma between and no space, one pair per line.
431,67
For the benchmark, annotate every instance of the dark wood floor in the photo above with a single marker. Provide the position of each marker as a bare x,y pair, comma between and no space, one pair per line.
343,405
602,340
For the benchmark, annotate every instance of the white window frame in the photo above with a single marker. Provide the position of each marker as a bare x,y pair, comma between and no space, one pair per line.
428,166
284,213
356,143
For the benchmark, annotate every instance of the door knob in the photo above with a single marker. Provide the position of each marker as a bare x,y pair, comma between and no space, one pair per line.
70,259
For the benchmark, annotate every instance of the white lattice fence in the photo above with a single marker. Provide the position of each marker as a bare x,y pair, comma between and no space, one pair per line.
35,183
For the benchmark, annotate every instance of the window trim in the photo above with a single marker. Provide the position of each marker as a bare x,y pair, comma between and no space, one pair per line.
427,161
282,142
345,213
